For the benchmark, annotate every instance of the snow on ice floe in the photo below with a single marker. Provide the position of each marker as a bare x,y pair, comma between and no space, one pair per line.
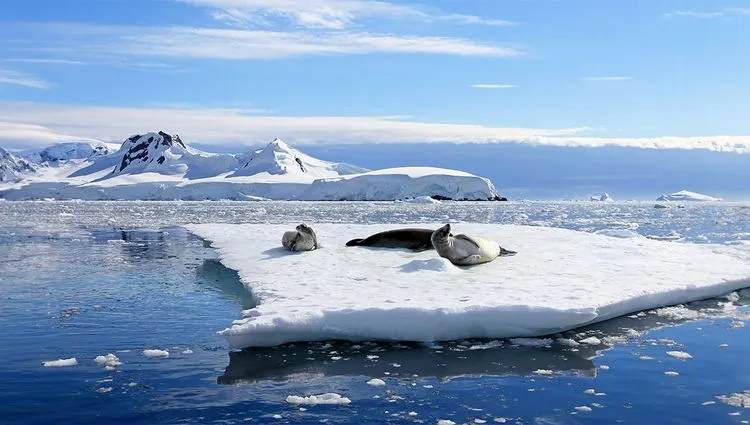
560,279
685,195
736,399
327,398
60,362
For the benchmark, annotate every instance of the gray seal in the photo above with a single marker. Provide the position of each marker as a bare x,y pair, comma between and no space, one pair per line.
301,239
413,239
463,250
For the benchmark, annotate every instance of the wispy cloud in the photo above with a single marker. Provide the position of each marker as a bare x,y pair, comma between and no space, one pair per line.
210,43
327,14
237,126
8,76
608,78
40,124
727,12
493,86
43,61
694,14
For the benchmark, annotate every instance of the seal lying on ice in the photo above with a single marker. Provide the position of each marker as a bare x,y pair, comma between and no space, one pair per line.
414,239
301,239
464,250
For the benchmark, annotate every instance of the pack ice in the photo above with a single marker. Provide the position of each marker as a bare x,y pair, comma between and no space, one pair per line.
560,279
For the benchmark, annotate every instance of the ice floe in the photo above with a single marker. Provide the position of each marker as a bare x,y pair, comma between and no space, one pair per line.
154,354
560,279
327,398
60,362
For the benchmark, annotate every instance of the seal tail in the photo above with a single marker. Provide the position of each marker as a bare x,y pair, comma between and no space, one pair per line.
354,242
506,252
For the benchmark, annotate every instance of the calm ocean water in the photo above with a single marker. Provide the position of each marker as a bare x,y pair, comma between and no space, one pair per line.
84,279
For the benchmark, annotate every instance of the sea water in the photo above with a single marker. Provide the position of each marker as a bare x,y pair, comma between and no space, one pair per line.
84,279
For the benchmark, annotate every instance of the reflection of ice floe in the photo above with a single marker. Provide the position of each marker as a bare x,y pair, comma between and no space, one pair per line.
302,361
560,280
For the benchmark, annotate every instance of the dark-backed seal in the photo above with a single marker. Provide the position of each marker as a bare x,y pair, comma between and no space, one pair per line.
414,239
464,250
301,239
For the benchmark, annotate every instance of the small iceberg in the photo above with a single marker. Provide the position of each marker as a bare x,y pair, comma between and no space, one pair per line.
604,197
685,195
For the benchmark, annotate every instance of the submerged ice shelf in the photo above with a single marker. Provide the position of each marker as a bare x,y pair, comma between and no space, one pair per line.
561,279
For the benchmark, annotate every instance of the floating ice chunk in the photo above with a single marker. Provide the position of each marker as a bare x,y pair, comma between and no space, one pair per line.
375,382
604,367
445,422
583,408
544,372
531,342
592,340
560,280
671,373
104,390
500,420
646,358
590,391
723,345
412,414
567,342
327,398
736,324
618,233
153,354
110,360
736,399
61,362
678,312
679,355
188,351
480,421
487,346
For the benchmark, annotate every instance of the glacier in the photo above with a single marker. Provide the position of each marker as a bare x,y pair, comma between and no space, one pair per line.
160,166
561,279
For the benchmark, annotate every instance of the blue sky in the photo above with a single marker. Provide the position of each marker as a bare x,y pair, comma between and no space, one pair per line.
228,74
577,72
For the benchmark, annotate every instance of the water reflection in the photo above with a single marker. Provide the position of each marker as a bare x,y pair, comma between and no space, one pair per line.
565,356
226,282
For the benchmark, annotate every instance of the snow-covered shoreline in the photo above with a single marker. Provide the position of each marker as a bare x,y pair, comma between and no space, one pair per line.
159,166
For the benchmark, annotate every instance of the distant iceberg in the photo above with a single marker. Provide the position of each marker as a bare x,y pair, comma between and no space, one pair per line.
560,279
685,195
603,197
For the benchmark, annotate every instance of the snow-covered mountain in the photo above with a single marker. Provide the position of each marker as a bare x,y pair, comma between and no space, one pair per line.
63,152
160,166
685,195
12,168
279,158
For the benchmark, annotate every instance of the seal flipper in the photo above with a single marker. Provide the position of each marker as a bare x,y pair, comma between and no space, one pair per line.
354,242
506,252
468,239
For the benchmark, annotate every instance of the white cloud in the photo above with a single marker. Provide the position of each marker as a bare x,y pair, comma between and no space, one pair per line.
327,14
694,14
493,86
43,61
250,44
8,76
35,124
611,78
111,43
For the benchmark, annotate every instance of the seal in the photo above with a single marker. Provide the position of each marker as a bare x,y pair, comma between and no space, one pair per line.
413,239
301,239
464,250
